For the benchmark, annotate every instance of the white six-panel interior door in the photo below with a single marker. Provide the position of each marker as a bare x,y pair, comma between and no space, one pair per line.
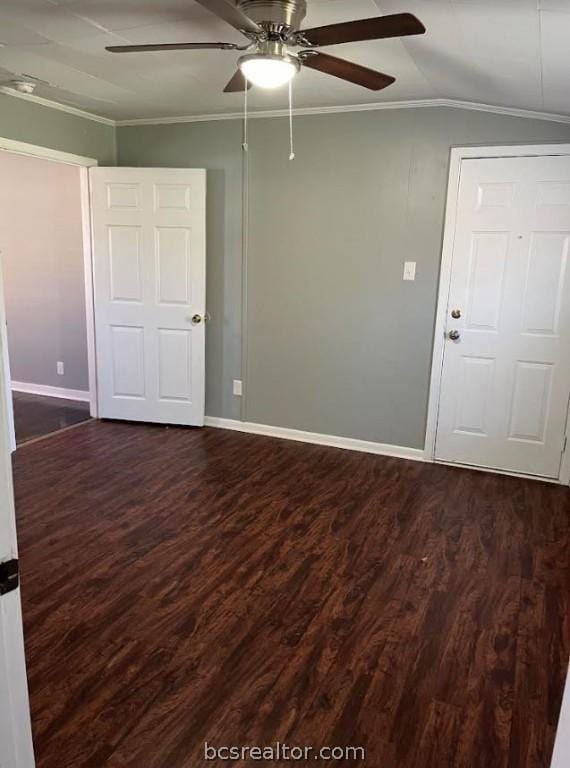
149,276
506,375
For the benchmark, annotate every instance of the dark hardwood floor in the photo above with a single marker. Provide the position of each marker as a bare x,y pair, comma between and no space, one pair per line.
37,415
183,586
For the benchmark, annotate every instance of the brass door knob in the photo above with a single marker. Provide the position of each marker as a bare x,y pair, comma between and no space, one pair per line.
196,319
454,335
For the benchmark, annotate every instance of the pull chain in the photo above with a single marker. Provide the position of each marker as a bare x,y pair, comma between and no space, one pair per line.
245,145
291,147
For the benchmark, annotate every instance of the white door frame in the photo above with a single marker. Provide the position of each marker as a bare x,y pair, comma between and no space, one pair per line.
458,154
83,163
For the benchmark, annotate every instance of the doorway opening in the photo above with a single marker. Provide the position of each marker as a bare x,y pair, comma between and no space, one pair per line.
46,290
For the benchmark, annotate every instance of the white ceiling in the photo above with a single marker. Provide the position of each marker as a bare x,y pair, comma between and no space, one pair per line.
509,53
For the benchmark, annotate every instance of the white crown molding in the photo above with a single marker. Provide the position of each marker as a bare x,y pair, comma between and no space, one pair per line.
315,438
281,113
57,105
529,114
416,104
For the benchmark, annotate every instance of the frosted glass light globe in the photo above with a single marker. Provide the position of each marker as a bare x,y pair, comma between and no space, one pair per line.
267,72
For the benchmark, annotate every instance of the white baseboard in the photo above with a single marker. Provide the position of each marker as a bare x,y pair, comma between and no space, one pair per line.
44,389
348,443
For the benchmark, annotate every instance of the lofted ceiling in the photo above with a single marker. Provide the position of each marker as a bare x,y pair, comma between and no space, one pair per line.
508,53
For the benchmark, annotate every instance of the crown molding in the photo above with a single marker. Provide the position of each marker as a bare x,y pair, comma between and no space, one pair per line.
529,114
372,107
57,105
265,113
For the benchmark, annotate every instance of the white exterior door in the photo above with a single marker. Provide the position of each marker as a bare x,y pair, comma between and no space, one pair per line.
506,377
16,749
149,262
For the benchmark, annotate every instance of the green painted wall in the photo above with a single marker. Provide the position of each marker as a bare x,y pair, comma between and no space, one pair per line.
32,123
336,342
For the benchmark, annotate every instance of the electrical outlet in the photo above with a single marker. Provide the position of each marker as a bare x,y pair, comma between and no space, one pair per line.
409,270
238,387
60,369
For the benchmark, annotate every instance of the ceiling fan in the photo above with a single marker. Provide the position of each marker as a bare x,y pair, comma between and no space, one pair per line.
273,29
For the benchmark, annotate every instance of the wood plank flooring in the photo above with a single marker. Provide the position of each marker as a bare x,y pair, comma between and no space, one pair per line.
183,586
37,415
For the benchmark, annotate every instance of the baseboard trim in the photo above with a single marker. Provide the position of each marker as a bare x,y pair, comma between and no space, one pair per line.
333,441
47,391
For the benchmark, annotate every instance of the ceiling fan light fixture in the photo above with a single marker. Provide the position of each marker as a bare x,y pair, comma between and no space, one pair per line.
268,71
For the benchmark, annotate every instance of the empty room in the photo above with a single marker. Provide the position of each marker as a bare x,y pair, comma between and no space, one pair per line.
284,383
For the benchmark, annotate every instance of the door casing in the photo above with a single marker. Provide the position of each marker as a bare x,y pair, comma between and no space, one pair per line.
458,154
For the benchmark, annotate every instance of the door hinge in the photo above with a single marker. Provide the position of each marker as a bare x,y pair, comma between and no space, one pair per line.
9,576
564,445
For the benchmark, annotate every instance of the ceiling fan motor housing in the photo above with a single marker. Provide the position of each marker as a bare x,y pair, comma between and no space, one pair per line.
272,49
275,14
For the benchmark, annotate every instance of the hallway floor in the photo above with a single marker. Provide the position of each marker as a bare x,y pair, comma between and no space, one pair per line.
36,415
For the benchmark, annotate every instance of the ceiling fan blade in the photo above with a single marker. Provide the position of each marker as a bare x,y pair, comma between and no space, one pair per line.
395,25
231,13
171,47
237,84
346,70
